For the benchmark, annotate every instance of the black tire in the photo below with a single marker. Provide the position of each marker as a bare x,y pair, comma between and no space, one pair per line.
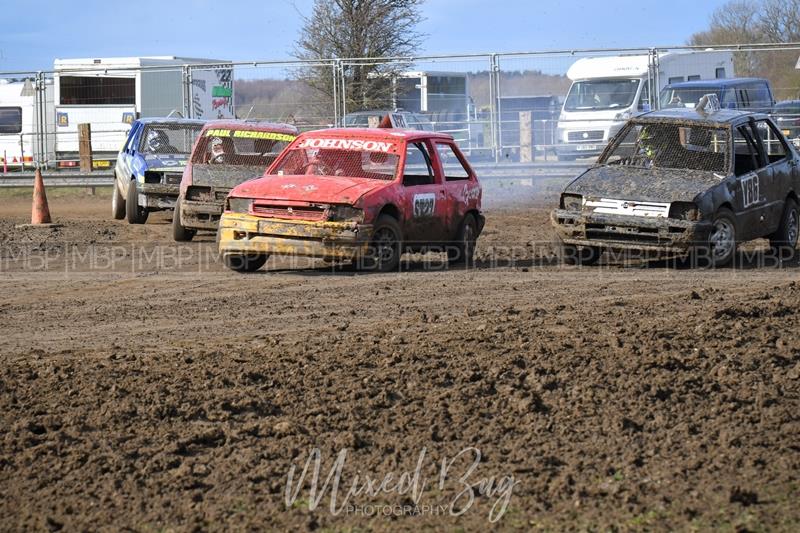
136,214
784,240
180,233
462,251
383,253
117,202
244,262
720,249
571,254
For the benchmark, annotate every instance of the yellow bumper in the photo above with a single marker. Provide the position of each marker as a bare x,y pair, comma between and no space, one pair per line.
240,233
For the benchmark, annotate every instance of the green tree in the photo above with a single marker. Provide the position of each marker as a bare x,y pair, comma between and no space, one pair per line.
371,29
759,21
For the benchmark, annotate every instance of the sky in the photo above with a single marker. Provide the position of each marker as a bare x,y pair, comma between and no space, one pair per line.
245,30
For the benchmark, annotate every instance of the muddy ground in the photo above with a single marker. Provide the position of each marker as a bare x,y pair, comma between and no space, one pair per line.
147,389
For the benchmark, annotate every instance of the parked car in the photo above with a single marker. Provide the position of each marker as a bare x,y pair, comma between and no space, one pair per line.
226,154
744,94
681,181
364,195
150,166
398,119
787,116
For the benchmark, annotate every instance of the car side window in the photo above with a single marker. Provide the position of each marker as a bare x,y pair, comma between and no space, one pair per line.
418,169
747,157
644,99
729,98
772,140
454,169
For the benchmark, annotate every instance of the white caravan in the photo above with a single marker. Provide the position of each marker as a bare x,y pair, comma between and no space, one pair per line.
110,93
607,91
19,141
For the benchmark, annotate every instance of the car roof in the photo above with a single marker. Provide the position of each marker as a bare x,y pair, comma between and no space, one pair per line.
394,134
725,82
170,120
684,114
235,124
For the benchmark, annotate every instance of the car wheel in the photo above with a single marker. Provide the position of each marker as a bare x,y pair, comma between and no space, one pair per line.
244,262
571,254
462,251
383,253
136,214
721,247
180,233
117,202
784,240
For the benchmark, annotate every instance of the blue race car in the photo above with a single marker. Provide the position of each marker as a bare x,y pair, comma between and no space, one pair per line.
150,165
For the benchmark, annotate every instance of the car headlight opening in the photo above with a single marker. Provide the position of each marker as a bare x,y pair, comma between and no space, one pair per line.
345,213
239,205
684,211
572,202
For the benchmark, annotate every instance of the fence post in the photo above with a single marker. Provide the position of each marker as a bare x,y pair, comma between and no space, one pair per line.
494,99
525,137
653,79
85,146
187,91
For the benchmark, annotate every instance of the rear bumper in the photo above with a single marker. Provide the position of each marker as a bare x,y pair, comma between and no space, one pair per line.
201,215
158,195
629,232
243,233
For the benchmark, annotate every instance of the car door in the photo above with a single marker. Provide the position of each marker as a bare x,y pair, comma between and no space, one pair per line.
753,179
424,204
781,167
462,191
123,170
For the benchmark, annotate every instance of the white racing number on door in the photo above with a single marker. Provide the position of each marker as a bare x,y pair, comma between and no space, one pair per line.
750,192
424,205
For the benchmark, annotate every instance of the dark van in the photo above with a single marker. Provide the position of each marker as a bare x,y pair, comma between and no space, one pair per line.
745,94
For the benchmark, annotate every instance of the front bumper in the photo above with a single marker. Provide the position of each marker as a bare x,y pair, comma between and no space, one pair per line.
578,150
629,232
158,195
201,215
243,233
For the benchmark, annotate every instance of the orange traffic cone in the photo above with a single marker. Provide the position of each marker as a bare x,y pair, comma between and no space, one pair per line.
41,212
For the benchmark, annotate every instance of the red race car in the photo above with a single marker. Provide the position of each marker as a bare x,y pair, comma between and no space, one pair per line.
364,195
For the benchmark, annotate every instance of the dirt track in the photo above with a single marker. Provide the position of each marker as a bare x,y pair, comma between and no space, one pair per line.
164,392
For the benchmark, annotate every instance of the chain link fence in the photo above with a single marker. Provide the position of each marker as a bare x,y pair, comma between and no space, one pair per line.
516,109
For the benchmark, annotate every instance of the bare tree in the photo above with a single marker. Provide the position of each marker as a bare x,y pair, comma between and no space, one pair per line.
759,21
347,29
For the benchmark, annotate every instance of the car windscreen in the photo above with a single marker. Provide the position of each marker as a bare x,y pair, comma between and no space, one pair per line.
670,146
10,119
790,110
338,157
169,138
686,96
601,94
363,120
239,147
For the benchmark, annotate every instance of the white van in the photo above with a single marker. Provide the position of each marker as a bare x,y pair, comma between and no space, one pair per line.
607,91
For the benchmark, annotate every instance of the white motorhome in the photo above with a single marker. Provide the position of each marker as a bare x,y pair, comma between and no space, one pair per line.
19,141
110,93
607,91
